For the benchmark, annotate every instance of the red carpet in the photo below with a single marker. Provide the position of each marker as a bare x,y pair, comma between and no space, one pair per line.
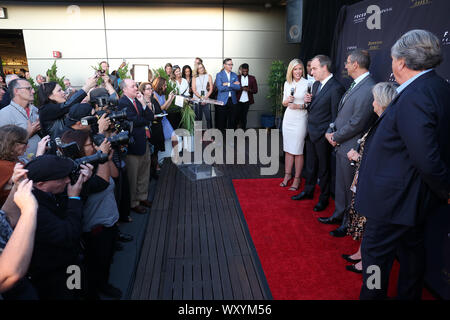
300,259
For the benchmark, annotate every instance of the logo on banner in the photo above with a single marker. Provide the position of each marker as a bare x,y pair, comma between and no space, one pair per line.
372,16
419,3
446,39
375,45
351,48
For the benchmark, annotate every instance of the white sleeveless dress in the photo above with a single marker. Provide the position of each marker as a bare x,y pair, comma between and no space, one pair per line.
295,121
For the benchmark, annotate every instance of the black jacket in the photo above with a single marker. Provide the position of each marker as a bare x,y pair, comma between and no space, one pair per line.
140,121
58,234
323,108
405,169
51,112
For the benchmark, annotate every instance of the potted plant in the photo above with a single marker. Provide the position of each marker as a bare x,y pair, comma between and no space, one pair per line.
276,79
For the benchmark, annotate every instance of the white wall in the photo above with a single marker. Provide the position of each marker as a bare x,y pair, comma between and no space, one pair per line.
153,35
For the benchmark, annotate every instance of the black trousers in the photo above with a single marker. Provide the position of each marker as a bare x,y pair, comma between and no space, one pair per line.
318,166
239,115
223,116
99,252
122,194
381,242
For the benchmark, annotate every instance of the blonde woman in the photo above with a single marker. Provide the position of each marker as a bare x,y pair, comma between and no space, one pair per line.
294,122
202,87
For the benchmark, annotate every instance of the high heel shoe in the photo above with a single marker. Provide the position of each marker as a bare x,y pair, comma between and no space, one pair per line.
292,188
353,268
347,257
286,174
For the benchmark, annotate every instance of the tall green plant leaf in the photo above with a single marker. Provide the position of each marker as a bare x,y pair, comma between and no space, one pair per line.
276,79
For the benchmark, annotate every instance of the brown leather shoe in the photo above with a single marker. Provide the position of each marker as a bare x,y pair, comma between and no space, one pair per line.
146,203
139,209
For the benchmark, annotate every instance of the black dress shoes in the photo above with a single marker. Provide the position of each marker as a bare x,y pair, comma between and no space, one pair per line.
320,206
347,258
339,232
302,195
125,237
352,268
329,220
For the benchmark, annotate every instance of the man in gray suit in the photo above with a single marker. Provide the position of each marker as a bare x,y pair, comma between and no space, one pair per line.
355,115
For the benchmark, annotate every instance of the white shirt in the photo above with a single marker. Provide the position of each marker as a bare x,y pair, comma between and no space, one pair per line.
361,78
244,94
183,87
229,81
324,82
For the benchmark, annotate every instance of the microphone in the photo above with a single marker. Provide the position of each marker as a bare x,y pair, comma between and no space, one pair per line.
292,91
308,90
358,148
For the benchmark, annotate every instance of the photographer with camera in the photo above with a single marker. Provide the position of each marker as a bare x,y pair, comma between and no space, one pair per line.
100,215
58,233
54,106
105,104
138,158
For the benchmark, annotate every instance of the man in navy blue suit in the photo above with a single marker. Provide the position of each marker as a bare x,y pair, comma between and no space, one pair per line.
405,170
227,84
138,157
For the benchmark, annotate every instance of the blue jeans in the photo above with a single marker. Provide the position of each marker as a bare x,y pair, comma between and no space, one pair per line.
205,109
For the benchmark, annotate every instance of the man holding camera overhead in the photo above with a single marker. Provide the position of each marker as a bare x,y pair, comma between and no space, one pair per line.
138,158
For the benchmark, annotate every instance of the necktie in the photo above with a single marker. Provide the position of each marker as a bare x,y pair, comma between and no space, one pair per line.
347,92
351,86
320,87
135,106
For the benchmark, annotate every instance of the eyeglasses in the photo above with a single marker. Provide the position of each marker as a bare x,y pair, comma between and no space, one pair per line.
229,64
28,88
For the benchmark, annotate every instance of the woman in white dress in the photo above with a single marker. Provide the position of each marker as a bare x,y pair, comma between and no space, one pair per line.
294,122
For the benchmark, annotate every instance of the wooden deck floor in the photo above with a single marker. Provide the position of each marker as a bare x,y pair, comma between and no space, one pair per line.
197,245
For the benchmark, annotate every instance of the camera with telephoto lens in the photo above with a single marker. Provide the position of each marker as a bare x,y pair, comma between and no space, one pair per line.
120,139
97,158
72,151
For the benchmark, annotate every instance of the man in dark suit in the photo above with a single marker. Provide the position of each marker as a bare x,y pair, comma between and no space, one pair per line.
249,87
138,157
327,93
227,84
405,171
354,117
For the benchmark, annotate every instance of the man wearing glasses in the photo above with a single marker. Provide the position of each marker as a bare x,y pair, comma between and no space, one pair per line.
22,113
228,84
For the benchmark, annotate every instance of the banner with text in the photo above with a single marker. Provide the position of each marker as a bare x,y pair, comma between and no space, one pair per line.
375,25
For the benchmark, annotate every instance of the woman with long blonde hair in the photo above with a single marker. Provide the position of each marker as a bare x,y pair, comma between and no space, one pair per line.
294,122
